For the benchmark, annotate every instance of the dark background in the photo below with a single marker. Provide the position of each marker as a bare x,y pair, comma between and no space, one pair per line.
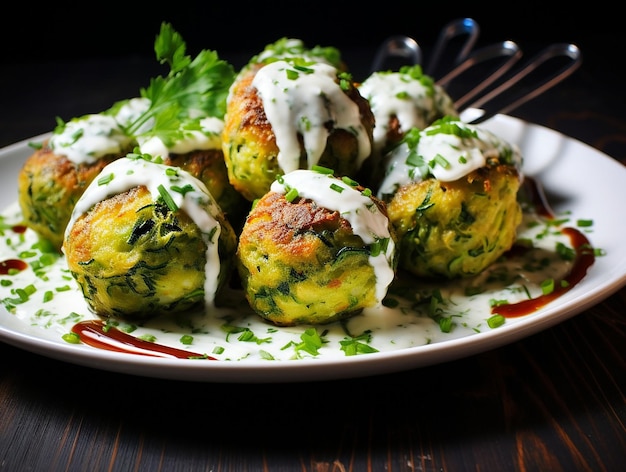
70,30
66,59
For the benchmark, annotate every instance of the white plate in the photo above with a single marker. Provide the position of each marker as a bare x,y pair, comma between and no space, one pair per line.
578,178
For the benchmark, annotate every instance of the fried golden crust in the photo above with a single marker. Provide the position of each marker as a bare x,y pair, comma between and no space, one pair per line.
250,148
302,264
49,185
209,167
249,144
459,228
283,224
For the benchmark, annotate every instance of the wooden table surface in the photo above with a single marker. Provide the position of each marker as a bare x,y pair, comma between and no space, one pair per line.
554,401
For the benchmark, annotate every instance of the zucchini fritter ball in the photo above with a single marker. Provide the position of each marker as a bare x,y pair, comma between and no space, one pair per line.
54,177
452,199
147,239
401,100
315,249
293,114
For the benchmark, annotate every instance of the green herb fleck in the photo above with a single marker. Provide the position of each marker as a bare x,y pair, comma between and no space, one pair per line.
496,321
352,346
291,195
167,198
336,188
71,338
547,286
106,179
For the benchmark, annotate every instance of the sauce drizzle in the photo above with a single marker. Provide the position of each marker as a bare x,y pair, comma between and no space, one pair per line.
96,333
585,257
7,265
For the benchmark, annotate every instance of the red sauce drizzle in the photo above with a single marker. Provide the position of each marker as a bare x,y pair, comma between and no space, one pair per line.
585,257
97,334
17,264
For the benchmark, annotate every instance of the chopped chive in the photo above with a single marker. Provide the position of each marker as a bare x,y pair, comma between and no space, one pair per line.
445,324
246,336
414,159
493,302
292,74
106,179
71,338
547,286
336,188
349,181
30,289
439,160
182,190
565,252
322,169
496,321
167,198
302,68
291,195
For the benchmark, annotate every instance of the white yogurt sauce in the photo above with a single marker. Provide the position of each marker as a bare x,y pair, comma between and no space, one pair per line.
399,94
299,102
445,155
131,111
409,324
90,137
126,173
208,136
362,214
